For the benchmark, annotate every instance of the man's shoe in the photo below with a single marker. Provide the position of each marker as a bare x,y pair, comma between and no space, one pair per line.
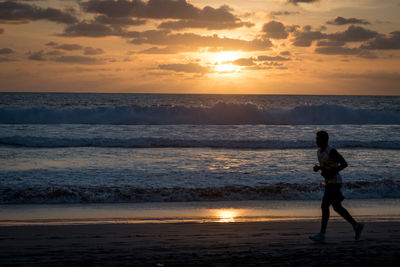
320,237
358,229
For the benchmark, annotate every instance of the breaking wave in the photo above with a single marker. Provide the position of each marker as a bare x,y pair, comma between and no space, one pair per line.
385,188
221,113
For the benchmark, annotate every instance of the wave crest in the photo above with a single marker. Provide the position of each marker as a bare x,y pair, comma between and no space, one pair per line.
385,188
221,113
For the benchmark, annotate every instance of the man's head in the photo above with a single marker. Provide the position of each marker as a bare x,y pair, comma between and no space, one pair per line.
322,139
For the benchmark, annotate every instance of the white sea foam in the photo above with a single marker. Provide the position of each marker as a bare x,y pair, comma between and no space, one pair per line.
385,188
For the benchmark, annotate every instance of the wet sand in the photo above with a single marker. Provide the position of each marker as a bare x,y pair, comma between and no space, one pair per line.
199,244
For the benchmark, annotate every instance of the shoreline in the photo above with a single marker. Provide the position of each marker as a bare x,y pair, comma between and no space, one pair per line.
371,210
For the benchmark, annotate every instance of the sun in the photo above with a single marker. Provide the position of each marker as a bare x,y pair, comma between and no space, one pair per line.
223,62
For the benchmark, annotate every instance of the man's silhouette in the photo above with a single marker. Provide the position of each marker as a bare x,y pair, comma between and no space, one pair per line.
330,164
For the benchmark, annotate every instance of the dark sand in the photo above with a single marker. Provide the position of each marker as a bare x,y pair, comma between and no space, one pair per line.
192,244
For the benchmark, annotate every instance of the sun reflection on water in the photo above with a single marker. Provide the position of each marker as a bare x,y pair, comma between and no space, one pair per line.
225,215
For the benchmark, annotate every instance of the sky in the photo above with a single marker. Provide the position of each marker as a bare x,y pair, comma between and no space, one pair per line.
318,47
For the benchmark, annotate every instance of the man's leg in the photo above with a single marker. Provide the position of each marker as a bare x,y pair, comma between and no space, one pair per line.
337,199
325,218
325,210
344,213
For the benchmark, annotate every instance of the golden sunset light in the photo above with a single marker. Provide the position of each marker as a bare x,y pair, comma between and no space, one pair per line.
227,215
179,46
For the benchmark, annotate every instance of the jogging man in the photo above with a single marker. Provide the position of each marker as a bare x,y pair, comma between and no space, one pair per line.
330,164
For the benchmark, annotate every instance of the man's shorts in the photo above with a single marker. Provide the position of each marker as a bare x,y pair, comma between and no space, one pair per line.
332,195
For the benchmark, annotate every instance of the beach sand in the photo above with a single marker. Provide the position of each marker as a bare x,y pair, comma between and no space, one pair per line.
275,243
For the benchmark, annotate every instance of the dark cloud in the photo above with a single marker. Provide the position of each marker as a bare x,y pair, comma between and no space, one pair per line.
187,68
93,51
119,21
351,34
244,62
337,50
156,9
51,44
305,38
295,2
210,25
54,53
209,18
274,14
2,31
275,30
89,29
6,51
69,47
192,40
285,53
78,60
343,21
331,43
275,58
14,12
186,14
39,55
384,42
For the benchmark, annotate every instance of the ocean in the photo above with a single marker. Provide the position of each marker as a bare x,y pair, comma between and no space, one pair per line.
70,148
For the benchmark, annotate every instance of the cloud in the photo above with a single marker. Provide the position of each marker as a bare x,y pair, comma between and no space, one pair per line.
330,43
2,31
209,25
343,21
275,30
119,21
186,14
69,47
54,53
6,51
89,29
39,55
305,38
274,14
244,62
92,51
51,44
384,42
351,34
186,68
275,58
162,37
295,2
78,60
209,18
12,12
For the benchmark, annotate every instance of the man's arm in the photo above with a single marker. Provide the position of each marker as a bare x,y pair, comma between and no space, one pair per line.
339,159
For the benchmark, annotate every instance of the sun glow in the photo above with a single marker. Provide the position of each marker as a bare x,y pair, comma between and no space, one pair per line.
223,62
226,215
224,57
